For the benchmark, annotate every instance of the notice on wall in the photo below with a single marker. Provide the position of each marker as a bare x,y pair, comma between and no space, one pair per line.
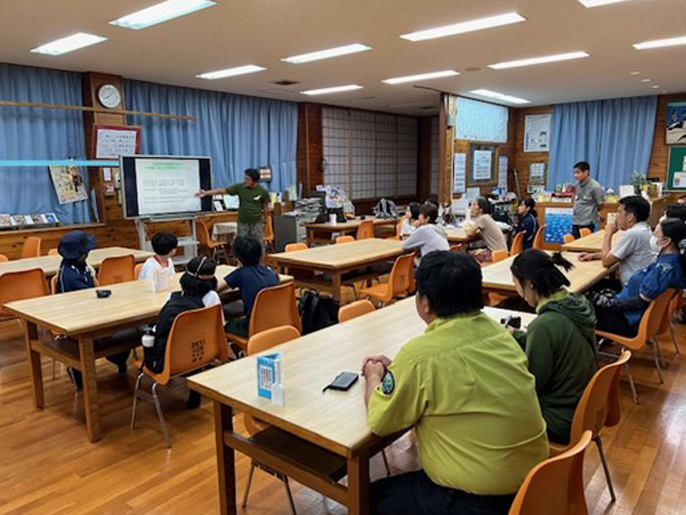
537,173
537,133
502,172
459,172
679,179
483,162
112,142
68,183
167,186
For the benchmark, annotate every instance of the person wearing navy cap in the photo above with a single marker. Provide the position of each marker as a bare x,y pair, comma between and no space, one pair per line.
75,274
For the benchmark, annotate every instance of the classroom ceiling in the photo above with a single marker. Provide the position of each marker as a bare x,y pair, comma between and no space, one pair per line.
261,32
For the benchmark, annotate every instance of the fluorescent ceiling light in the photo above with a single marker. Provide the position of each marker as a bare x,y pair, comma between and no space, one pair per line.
659,43
538,60
68,44
499,96
597,3
334,89
421,76
158,13
326,54
466,26
230,72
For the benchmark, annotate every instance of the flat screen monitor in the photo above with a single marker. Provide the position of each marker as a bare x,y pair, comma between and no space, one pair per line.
159,186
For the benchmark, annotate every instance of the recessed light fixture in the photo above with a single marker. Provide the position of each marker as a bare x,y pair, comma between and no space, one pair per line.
334,89
231,72
68,44
499,96
655,86
158,13
326,54
538,60
597,3
634,73
661,43
421,76
466,26
645,80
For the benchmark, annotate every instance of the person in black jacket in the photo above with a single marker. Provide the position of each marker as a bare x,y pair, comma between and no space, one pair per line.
529,222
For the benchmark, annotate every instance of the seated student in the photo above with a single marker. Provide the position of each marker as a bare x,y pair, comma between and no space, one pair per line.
428,237
633,251
198,290
682,199
560,343
675,211
465,389
250,278
622,313
529,222
433,199
411,221
485,227
75,274
164,245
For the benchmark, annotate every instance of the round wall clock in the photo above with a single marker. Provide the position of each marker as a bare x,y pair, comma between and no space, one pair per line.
109,96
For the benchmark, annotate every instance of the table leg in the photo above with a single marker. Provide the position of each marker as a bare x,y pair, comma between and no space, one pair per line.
90,388
226,468
358,485
336,285
35,368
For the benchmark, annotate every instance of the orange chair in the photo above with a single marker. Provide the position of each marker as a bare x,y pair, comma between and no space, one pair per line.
195,340
539,238
137,270
585,232
53,252
666,325
457,248
293,247
365,230
3,258
555,485
568,238
215,249
355,309
498,255
31,247
268,233
648,329
494,298
517,244
344,239
25,284
115,270
273,307
399,281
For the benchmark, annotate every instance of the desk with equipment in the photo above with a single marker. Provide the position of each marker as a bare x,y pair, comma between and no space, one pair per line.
323,232
85,317
332,423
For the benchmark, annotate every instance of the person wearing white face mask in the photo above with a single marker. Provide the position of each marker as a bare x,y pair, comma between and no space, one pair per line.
622,313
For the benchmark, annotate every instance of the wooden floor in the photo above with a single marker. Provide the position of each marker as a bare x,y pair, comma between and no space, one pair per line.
47,465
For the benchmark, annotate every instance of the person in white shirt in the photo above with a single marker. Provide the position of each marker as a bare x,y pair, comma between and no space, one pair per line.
428,237
164,245
411,221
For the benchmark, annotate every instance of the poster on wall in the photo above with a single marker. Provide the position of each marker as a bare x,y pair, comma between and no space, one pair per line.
558,222
676,123
502,172
459,172
112,142
537,133
483,164
68,184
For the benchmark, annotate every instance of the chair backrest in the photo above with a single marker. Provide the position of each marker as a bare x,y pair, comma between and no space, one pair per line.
273,307
539,238
517,244
498,255
345,239
202,232
585,232
268,233
555,485
53,284
400,279
599,404
53,252
3,258
137,271
116,270
652,319
355,309
293,247
196,339
457,248
31,247
672,307
365,230
568,238
25,284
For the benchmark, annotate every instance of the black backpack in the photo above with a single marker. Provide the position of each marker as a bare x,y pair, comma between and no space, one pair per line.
317,312
385,209
178,303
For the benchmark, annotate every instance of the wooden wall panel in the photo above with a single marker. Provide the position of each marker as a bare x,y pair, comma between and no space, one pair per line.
424,136
522,159
310,150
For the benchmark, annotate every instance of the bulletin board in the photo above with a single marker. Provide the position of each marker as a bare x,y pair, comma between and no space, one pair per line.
676,169
112,142
482,164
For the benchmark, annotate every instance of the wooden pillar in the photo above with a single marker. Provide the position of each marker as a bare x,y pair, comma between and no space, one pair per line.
310,150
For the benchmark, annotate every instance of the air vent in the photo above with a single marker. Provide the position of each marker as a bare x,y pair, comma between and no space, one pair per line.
428,108
285,82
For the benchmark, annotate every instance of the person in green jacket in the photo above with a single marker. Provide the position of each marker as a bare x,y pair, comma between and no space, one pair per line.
560,343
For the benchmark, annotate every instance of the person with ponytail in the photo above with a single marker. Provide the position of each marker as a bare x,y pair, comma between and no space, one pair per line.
529,222
621,314
560,343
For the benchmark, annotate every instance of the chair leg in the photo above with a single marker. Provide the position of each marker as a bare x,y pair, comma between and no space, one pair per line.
135,399
653,345
247,487
385,462
631,382
156,400
660,354
599,444
53,369
671,331
288,492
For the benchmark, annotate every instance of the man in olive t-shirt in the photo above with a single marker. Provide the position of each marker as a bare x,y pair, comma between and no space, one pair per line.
253,199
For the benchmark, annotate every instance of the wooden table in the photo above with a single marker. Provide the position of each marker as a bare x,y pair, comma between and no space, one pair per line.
51,264
323,232
337,260
497,277
85,318
334,421
591,243
458,235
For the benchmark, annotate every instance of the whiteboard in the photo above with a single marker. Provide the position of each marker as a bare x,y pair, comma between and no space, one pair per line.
114,142
481,121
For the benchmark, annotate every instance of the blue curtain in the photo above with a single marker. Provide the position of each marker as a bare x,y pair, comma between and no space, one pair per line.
615,136
237,132
29,133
